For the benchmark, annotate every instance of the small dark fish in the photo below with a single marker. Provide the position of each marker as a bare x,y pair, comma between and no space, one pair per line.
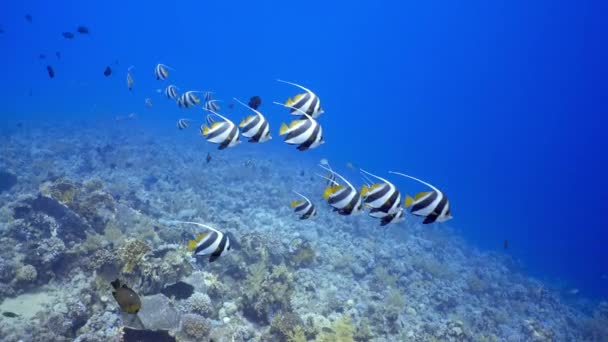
9,314
68,35
82,29
58,54
1,30
28,18
208,157
42,56
231,105
255,102
107,72
505,244
50,70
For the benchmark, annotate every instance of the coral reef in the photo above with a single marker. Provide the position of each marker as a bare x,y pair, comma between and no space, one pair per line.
93,206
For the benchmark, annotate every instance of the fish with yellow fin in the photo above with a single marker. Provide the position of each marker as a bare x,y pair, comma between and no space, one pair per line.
307,102
255,127
212,242
432,205
346,200
127,299
305,132
304,207
225,133
382,198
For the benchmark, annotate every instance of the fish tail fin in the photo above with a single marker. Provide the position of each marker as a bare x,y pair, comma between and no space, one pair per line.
115,284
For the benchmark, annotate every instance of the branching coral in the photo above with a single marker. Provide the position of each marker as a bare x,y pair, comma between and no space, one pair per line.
131,253
265,292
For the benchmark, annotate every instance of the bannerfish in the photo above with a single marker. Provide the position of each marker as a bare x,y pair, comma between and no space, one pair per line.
161,72
68,35
188,99
82,29
50,71
148,102
303,208
211,105
183,123
130,81
171,92
255,102
383,198
127,299
213,243
432,205
225,133
346,200
307,102
255,127
305,132
28,18
393,218
108,71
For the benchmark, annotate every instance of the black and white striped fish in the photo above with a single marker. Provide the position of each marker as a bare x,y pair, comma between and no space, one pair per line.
188,99
396,217
305,132
183,123
213,243
211,105
383,198
345,199
161,72
432,205
303,208
307,102
225,133
255,127
171,92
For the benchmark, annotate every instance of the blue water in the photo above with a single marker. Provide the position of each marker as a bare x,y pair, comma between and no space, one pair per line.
500,104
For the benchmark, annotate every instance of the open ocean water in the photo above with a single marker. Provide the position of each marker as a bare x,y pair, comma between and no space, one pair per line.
303,171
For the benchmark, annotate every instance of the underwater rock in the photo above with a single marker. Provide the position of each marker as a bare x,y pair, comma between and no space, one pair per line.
44,217
7,180
137,335
157,312
179,290
302,255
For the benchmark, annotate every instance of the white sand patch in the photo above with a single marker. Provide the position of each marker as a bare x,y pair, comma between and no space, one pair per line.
28,304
